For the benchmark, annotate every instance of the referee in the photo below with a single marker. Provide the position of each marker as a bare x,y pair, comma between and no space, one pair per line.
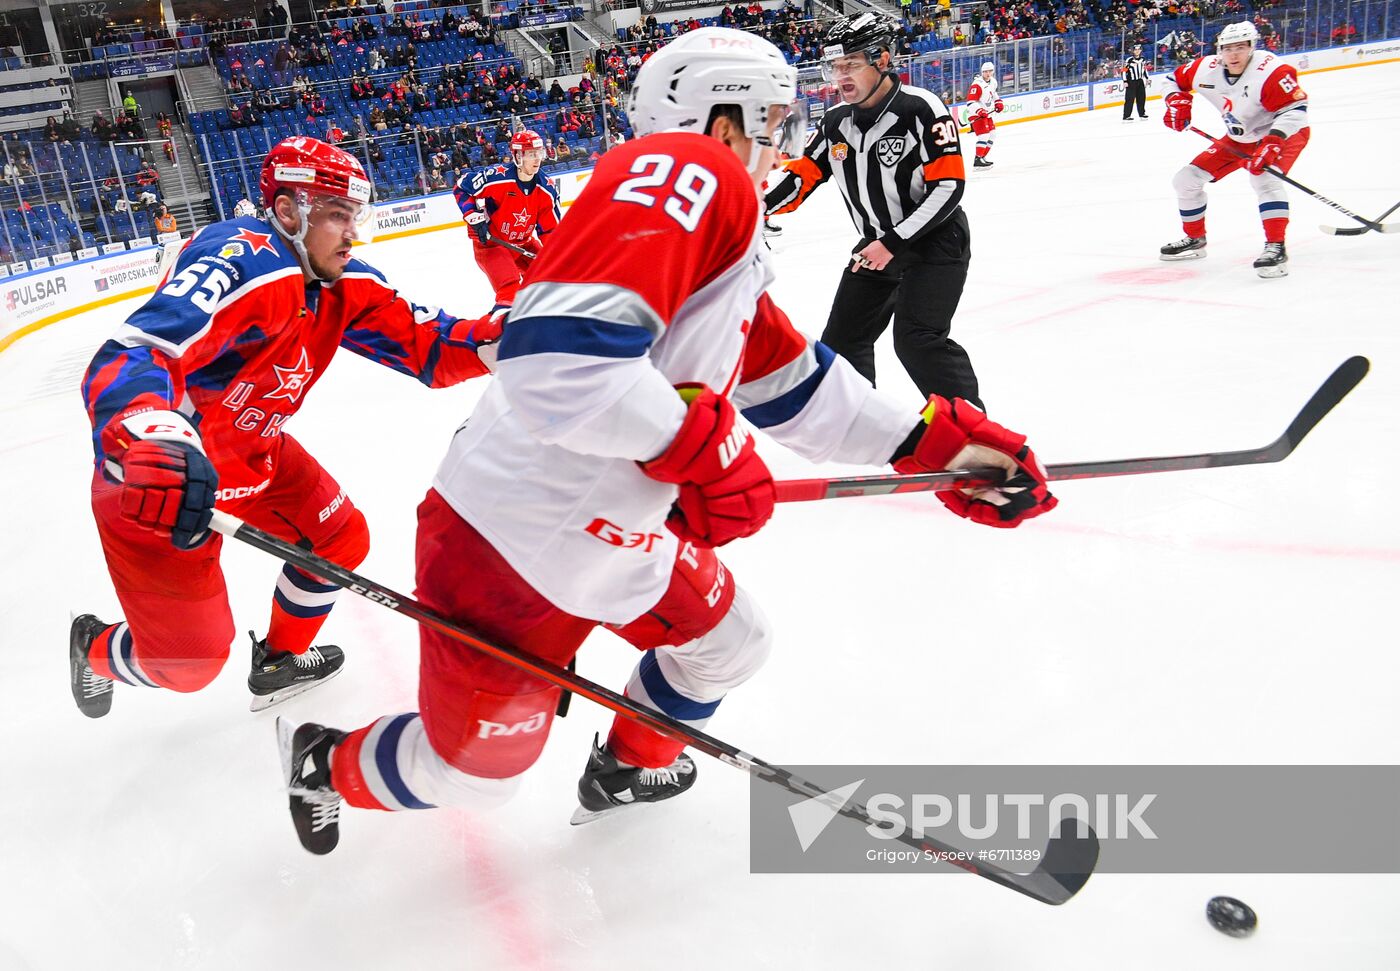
1135,84
895,153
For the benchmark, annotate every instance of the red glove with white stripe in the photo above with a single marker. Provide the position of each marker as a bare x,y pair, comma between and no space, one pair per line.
168,484
1266,153
1177,117
981,122
958,436
726,490
998,106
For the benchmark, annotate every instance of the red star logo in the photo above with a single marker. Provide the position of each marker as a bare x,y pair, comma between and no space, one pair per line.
258,241
292,381
522,218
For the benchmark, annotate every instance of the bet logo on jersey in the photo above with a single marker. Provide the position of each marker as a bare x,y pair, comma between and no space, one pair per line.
889,150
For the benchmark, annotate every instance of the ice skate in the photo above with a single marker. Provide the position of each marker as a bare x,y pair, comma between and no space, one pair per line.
1186,248
91,692
772,229
608,785
1273,262
279,675
981,163
306,767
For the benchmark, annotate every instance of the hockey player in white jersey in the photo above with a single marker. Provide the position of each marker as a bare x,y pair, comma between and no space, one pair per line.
1266,125
983,102
607,461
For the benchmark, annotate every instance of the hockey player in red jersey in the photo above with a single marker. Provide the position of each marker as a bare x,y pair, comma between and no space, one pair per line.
607,461
188,403
1266,126
515,203
982,102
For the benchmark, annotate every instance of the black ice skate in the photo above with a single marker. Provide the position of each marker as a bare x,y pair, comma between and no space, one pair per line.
306,766
1273,261
980,163
279,675
608,785
1186,248
91,691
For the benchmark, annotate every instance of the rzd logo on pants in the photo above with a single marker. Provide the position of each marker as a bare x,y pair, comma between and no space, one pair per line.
495,729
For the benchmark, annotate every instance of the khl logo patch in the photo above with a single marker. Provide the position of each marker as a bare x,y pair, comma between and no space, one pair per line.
889,150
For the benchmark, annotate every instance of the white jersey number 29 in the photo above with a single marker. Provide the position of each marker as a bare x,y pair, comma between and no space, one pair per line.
686,197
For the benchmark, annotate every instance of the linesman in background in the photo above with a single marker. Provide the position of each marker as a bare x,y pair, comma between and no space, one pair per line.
1134,84
895,153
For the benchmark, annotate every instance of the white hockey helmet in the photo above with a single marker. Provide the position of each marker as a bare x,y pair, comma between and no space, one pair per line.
680,84
986,66
1236,33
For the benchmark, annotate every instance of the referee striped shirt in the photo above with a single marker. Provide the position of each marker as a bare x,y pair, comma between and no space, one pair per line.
899,165
1135,69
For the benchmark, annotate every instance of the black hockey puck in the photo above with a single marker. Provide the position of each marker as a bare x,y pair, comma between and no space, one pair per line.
1231,916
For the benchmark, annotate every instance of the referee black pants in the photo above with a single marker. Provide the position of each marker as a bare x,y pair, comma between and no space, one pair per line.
1134,93
921,289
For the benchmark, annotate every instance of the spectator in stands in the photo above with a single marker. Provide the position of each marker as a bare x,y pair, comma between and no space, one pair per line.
11,171
51,132
562,152
129,104
436,183
377,120
164,221
102,129
377,59
70,128
376,153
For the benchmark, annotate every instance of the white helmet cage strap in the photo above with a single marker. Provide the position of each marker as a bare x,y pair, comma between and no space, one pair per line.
305,202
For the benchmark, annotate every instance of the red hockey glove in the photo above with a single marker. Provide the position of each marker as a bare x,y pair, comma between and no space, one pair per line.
998,106
1177,117
981,122
958,436
1266,153
168,484
727,491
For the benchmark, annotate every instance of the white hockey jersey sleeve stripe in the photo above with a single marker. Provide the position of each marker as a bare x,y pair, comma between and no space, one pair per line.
777,397
839,417
600,301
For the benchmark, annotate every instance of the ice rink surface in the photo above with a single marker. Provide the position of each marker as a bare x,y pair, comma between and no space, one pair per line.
1225,616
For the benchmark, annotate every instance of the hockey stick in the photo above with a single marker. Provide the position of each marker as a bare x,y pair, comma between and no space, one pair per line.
1370,224
1064,867
1360,230
510,246
1324,399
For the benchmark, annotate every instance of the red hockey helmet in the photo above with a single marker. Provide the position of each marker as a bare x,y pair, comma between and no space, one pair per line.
526,140
309,164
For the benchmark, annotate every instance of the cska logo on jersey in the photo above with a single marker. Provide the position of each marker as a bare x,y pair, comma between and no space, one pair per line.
889,150
292,381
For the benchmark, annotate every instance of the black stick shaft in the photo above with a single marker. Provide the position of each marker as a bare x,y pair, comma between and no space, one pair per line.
1347,376
1369,223
1074,855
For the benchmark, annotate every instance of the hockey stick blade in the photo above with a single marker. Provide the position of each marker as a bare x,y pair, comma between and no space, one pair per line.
1362,230
1062,871
1347,376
